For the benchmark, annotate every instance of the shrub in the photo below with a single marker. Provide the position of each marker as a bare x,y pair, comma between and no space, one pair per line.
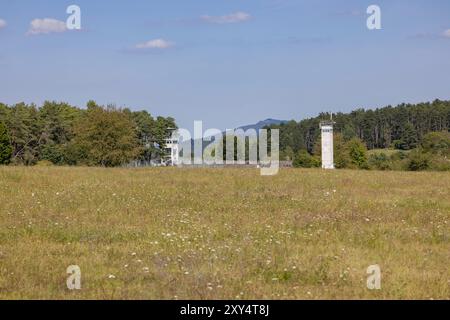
400,155
53,153
304,160
380,161
437,143
358,153
418,160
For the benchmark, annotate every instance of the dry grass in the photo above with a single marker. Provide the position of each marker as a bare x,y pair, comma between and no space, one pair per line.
169,233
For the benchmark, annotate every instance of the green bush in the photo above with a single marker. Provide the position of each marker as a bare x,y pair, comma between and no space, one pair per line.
380,161
400,155
357,151
437,143
53,153
418,160
304,160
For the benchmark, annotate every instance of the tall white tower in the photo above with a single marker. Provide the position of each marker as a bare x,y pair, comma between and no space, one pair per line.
326,128
172,147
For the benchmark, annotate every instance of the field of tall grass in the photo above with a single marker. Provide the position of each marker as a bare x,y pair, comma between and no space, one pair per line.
171,233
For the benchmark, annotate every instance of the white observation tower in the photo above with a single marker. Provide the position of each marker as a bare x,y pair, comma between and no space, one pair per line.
172,148
326,128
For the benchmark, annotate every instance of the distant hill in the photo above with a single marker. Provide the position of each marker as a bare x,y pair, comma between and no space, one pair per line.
262,124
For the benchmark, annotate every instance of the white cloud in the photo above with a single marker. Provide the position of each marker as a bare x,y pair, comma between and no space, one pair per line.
155,44
2,23
45,26
230,18
446,33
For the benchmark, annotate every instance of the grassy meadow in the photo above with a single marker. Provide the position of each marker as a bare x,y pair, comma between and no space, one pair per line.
170,233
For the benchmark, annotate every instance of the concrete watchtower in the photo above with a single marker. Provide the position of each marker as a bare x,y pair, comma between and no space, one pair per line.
326,128
172,148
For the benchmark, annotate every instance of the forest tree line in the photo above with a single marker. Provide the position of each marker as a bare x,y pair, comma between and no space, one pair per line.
416,134
61,134
405,137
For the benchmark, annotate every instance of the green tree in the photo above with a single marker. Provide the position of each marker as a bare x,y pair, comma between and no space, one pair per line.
341,157
145,126
105,137
56,130
408,139
357,152
348,132
162,130
5,145
287,154
23,129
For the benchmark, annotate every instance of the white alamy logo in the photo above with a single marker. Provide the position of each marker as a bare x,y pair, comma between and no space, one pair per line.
74,280
241,147
374,278
73,22
374,20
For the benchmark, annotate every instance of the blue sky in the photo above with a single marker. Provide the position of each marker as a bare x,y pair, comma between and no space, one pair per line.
227,62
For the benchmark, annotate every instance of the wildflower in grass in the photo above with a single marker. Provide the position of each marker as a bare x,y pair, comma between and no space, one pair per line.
111,276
